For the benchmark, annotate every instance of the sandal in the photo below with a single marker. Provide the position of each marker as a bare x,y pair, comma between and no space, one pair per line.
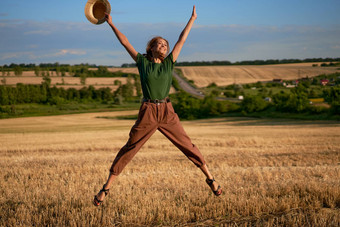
96,201
210,183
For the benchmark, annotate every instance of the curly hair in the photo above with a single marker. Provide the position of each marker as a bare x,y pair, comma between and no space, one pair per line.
151,44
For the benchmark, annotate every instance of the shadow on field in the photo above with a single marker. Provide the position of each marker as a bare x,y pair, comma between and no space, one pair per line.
246,121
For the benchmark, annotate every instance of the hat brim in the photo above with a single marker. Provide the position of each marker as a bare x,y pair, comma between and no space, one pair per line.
95,10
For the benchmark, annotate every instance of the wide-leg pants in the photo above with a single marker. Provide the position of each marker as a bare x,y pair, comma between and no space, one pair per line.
152,117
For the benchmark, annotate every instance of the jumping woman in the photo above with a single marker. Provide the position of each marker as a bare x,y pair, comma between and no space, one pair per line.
156,111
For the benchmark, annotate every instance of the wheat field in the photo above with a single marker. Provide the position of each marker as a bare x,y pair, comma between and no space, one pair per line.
226,75
67,81
273,173
201,75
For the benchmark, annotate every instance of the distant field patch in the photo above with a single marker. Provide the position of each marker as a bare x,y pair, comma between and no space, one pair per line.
226,75
29,77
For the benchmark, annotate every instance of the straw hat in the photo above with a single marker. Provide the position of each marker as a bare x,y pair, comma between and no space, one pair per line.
95,10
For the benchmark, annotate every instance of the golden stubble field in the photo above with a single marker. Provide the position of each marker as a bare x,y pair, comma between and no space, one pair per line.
201,75
273,172
226,75
29,77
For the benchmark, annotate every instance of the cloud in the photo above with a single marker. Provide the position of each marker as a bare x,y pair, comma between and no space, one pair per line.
71,52
17,55
74,43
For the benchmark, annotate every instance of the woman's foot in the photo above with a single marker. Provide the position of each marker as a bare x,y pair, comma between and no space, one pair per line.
216,189
99,198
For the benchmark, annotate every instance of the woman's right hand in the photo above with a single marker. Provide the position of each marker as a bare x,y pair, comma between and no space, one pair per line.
108,18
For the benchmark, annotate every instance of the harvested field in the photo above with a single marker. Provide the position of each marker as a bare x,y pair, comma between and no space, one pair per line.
273,173
67,82
32,74
226,75
124,70
201,75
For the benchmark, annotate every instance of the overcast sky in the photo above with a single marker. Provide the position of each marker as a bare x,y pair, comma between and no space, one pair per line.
48,31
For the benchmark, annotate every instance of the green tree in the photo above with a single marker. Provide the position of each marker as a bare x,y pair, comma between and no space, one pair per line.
70,70
331,95
57,71
138,86
46,79
335,108
18,71
4,81
186,106
4,99
252,104
312,93
83,79
117,82
118,99
127,89
37,71
295,102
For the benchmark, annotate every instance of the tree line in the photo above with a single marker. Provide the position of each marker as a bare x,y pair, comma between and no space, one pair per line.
76,71
45,94
258,62
187,107
68,67
250,62
292,101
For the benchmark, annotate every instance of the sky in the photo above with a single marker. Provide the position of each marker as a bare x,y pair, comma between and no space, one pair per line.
49,31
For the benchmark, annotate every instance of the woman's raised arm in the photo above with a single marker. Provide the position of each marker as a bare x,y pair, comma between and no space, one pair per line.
182,38
122,38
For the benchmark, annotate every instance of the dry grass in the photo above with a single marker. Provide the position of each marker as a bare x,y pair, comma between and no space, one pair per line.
124,70
201,75
226,75
75,81
67,82
274,173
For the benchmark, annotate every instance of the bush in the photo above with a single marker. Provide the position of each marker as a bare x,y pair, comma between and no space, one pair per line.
293,103
335,108
317,109
252,104
212,85
331,95
188,107
229,94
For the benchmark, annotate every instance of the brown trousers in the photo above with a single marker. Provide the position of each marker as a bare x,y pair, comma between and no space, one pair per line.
151,117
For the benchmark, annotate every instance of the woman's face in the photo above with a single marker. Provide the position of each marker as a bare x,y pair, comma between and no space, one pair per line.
161,47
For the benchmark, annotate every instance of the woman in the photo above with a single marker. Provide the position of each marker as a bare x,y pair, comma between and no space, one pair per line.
156,112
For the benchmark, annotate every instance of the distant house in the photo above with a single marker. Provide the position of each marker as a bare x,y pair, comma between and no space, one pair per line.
290,85
268,99
324,82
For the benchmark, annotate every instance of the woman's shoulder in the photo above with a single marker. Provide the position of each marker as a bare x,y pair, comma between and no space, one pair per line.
169,58
141,58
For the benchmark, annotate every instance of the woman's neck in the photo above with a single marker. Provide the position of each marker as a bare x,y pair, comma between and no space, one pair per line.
156,60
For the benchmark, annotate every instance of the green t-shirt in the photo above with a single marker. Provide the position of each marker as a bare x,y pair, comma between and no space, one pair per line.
155,78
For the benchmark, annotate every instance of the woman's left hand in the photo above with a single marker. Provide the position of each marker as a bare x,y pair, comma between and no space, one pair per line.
194,14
